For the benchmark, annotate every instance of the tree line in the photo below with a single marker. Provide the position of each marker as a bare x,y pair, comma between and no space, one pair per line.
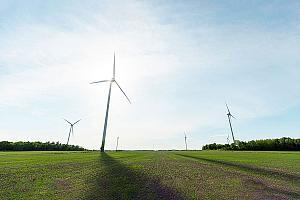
37,146
281,144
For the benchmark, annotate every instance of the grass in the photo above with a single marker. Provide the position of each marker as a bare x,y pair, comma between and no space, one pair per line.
150,175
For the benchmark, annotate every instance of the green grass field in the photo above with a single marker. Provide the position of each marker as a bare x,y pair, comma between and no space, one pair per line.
150,175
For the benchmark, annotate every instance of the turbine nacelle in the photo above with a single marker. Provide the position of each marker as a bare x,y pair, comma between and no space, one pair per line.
113,80
229,113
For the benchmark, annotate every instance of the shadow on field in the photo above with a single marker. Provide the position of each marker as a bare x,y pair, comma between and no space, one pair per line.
254,169
256,183
117,181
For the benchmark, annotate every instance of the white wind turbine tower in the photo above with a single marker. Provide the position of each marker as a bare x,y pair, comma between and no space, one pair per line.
185,141
229,115
71,129
228,141
111,81
117,143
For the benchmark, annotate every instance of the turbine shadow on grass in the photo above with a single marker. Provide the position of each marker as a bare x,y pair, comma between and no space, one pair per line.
268,172
257,170
120,182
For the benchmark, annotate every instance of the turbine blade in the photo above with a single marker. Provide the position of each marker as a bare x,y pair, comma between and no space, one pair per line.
99,81
72,131
77,122
227,108
232,116
67,121
114,70
123,91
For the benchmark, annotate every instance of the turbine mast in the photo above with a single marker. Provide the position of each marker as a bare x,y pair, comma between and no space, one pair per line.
231,128
228,141
106,118
185,141
69,135
117,143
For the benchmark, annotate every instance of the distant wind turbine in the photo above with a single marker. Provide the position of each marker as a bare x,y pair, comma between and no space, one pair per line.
229,115
228,141
117,143
185,141
111,81
71,129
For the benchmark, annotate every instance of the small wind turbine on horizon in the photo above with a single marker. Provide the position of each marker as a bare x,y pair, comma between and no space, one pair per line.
117,143
229,115
71,129
228,141
185,141
111,81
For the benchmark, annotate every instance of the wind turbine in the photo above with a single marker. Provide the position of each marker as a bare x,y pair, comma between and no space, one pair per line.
229,115
71,129
228,141
185,141
117,143
111,81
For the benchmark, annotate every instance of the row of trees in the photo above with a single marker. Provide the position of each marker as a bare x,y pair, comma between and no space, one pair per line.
282,144
37,146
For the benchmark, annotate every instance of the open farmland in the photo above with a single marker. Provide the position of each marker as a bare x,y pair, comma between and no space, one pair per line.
150,175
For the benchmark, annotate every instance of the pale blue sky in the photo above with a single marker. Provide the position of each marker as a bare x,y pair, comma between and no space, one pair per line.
178,61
